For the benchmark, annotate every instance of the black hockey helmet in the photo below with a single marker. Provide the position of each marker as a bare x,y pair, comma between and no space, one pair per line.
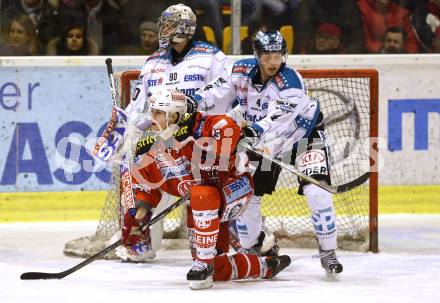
269,42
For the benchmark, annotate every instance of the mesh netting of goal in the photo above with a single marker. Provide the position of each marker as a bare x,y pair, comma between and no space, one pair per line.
348,100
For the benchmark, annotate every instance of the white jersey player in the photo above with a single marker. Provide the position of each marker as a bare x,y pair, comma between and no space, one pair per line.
180,64
273,106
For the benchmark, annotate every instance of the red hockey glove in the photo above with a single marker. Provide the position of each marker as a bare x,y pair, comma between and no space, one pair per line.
133,220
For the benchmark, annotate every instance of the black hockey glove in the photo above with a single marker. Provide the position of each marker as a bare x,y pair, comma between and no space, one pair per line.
249,136
191,104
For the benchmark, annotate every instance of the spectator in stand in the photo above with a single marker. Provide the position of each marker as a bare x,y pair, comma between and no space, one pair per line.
21,38
149,37
133,13
148,41
436,41
377,16
72,42
394,41
101,20
43,15
345,13
327,41
426,19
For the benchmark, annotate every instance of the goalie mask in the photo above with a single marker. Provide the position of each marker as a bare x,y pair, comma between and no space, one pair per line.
176,24
168,102
269,42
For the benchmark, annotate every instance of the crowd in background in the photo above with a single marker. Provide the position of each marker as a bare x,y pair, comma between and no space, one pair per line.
128,27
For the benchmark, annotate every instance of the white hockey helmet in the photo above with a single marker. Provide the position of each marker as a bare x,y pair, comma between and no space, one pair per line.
169,102
176,24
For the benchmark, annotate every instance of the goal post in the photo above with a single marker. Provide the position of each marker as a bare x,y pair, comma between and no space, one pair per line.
349,102
371,76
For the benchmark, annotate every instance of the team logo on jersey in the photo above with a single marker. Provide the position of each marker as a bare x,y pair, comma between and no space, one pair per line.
157,70
241,88
285,106
188,91
203,49
242,101
313,162
249,117
154,82
170,169
196,77
185,186
203,219
279,81
237,189
201,223
198,67
145,144
240,69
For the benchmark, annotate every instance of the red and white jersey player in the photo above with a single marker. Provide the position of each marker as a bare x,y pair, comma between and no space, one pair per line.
194,156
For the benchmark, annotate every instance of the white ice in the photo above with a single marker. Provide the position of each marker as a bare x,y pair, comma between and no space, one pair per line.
406,270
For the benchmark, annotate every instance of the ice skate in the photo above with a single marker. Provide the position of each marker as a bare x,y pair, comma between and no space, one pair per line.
200,275
329,262
276,264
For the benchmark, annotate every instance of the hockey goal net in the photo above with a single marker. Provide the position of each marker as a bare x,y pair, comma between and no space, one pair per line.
349,100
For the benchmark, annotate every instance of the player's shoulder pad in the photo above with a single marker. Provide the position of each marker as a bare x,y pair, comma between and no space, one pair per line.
244,66
144,145
186,126
287,78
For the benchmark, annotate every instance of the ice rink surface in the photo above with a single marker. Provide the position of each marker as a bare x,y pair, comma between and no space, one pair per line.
406,270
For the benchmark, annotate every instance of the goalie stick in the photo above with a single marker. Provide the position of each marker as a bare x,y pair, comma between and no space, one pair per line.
332,189
126,185
108,62
62,274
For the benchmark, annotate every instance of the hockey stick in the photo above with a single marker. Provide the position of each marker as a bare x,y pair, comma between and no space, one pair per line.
332,189
127,192
60,275
108,62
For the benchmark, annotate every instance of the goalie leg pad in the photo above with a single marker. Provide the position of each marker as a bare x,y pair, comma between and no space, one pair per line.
250,223
156,230
205,202
323,215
